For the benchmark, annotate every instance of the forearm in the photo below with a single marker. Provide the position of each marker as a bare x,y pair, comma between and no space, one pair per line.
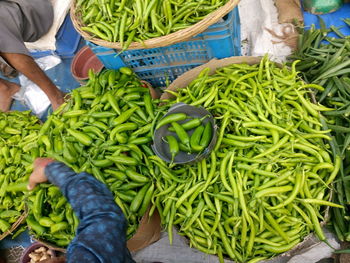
101,234
87,195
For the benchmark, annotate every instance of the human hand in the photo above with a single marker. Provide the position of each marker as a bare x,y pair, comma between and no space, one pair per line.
38,175
58,99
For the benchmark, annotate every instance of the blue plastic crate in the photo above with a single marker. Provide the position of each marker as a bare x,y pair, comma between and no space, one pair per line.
158,65
67,41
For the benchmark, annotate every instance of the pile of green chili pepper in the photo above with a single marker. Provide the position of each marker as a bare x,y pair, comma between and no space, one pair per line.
266,183
103,129
18,148
51,217
127,21
325,61
179,137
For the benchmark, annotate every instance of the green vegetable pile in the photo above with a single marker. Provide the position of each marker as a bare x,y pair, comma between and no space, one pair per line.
325,61
104,129
18,149
51,217
126,21
266,184
196,142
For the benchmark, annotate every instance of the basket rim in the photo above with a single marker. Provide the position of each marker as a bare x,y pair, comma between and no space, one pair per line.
14,226
173,38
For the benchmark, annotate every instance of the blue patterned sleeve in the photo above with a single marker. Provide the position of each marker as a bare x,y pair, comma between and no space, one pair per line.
101,235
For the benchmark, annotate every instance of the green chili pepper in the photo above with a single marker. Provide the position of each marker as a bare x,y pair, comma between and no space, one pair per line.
196,138
36,227
136,177
126,71
73,113
124,116
173,146
171,118
81,137
58,227
137,202
189,125
38,204
46,221
181,133
103,163
122,127
149,105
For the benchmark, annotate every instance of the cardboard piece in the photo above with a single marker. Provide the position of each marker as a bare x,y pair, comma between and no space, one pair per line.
147,233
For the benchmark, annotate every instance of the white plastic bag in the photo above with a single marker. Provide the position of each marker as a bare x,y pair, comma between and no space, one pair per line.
256,16
30,94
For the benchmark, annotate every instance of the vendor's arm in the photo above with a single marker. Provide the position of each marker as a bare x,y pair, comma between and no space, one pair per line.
101,235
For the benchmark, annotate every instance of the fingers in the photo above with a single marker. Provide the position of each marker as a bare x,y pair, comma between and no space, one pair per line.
38,174
31,184
33,179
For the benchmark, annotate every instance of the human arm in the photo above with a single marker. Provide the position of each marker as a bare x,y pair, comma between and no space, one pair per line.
101,235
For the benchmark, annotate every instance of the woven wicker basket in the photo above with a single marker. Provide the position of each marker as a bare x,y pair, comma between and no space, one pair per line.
184,80
14,225
173,38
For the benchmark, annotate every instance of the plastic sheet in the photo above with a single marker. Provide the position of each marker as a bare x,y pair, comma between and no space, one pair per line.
30,94
256,17
162,251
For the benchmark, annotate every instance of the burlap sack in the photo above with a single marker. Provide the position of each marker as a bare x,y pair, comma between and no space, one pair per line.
288,10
